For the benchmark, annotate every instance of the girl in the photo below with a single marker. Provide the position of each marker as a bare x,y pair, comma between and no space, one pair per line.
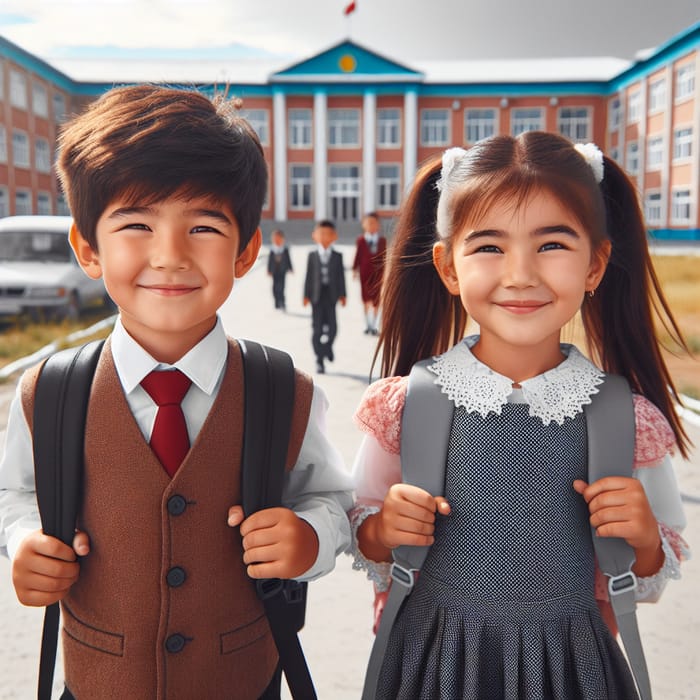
518,234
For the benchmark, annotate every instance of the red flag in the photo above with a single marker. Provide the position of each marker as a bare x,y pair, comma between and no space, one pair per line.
350,8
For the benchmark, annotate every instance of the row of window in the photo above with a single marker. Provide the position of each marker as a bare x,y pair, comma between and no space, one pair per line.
25,206
21,156
344,125
684,89
682,151
19,94
681,208
344,183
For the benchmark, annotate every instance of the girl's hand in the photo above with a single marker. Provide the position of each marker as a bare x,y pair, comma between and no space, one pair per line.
408,516
619,508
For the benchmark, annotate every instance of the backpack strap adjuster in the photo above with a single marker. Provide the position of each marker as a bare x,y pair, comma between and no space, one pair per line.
403,576
622,583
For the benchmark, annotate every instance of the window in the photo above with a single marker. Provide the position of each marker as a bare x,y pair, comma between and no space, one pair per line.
652,208
3,144
300,187
614,114
62,208
59,107
20,149
529,119
657,95
634,107
655,152
259,120
680,207
682,143
300,133
632,158
615,154
343,127
435,127
388,128
23,202
40,100
575,123
2,83
43,203
42,156
4,202
685,81
388,186
479,124
18,90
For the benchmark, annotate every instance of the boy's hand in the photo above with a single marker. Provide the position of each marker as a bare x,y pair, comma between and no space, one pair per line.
276,542
408,516
306,301
619,508
44,568
342,301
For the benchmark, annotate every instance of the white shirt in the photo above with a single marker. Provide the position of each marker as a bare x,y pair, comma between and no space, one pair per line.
318,489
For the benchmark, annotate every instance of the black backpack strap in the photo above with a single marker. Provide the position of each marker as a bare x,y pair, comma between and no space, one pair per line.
610,424
60,409
269,382
425,432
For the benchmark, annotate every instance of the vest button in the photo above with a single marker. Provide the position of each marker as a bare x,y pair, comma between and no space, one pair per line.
176,505
176,577
175,643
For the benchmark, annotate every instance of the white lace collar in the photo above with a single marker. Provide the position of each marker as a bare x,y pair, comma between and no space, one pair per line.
557,394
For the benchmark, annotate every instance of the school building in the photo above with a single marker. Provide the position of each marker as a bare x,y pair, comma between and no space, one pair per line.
345,130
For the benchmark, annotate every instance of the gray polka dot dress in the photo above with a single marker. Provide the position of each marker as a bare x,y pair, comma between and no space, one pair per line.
504,607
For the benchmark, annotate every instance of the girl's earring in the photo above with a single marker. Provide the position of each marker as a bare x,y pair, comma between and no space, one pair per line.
591,293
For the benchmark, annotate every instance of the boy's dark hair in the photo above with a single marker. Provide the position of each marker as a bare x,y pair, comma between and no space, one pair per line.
146,142
326,223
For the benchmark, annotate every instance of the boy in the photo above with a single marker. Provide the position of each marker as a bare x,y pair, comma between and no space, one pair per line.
278,265
370,250
324,287
166,188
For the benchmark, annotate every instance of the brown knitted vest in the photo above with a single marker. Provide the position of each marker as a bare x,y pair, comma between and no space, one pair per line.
163,607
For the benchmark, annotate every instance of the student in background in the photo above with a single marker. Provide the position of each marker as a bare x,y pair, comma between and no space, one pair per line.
370,251
279,263
324,287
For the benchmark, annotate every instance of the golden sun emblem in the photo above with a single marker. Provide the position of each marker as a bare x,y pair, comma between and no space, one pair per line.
347,63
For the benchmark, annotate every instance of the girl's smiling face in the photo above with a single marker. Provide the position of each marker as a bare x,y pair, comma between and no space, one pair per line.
521,272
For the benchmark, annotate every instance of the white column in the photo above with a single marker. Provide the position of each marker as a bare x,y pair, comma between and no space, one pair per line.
410,139
279,135
369,158
320,155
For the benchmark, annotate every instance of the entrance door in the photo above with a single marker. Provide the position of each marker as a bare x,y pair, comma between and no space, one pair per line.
344,192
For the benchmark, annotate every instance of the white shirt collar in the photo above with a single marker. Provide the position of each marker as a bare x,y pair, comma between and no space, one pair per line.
325,253
203,364
555,395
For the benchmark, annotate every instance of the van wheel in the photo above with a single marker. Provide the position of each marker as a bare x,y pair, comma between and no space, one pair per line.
71,311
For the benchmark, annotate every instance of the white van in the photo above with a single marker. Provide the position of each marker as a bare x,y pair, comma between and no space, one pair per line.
38,271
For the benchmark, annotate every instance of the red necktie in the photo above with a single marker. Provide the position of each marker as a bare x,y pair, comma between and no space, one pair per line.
169,439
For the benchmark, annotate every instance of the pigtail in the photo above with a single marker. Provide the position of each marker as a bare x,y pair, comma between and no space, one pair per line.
619,318
420,317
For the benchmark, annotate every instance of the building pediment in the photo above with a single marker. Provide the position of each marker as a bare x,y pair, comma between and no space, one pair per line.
346,62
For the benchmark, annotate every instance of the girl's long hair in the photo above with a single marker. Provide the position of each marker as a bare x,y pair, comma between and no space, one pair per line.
421,318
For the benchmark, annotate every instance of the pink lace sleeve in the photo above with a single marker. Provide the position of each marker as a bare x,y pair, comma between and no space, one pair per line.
379,413
654,437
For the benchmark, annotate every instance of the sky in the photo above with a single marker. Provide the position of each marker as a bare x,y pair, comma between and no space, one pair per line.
296,29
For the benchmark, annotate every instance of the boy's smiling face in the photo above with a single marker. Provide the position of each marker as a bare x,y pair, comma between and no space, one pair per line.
169,266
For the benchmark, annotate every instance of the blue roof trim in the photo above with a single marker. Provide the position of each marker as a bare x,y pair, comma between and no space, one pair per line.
558,89
327,63
36,65
673,49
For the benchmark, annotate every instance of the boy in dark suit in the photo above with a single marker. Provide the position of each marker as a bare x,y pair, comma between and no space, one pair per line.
278,265
323,289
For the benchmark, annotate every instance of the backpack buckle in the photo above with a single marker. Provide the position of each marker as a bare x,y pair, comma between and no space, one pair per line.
622,583
268,587
403,576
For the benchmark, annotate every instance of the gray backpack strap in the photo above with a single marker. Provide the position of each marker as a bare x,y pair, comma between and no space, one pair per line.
611,431
425,434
